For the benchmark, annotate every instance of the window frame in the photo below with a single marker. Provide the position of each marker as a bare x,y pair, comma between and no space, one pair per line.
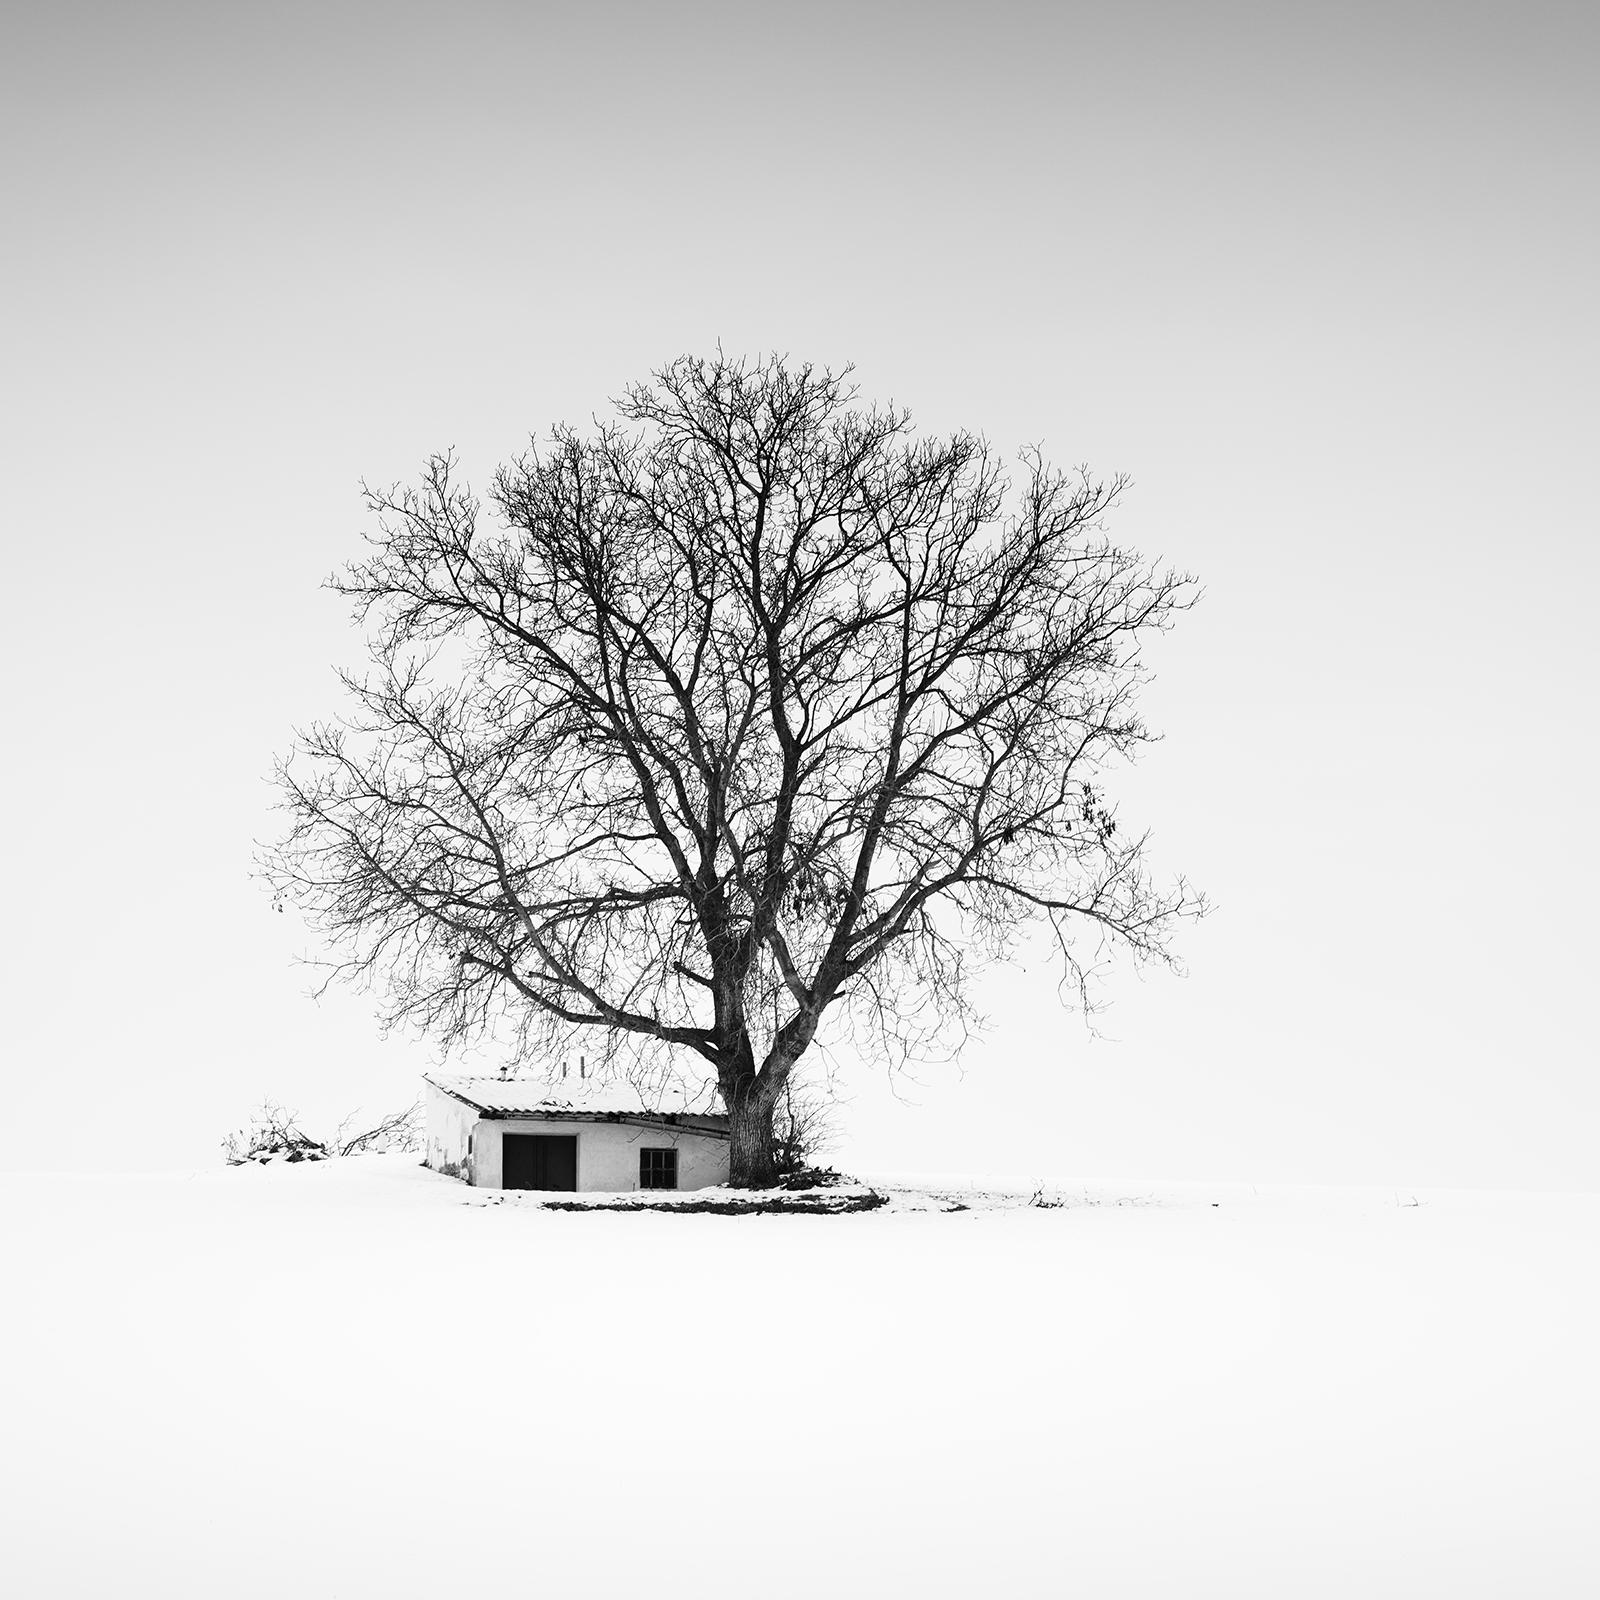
666,1165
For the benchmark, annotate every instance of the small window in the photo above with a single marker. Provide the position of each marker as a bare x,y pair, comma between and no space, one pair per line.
658,1169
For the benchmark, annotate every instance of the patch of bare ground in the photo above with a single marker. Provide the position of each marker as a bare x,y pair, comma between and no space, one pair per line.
784,1202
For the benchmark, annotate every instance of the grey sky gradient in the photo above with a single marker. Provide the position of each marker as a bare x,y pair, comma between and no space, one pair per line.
1321,278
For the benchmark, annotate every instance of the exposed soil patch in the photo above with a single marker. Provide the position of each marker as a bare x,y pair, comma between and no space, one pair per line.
806,1202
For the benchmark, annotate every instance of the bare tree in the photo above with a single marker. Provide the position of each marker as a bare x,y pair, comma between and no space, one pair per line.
754,708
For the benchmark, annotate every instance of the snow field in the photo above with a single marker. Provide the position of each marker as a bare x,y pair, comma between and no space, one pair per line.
358,1378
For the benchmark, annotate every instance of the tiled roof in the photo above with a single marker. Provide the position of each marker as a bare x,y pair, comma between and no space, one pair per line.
575,1096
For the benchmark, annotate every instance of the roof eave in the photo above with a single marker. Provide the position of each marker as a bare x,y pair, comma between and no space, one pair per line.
695,1122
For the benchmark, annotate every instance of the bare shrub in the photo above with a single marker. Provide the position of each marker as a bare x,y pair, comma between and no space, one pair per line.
802,1127
274,1134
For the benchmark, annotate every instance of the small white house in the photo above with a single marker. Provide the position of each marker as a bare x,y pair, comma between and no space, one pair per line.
541,1133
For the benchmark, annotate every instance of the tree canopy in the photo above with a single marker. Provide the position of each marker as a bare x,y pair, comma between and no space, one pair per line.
750,713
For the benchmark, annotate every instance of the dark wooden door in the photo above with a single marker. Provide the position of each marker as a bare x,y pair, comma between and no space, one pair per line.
539,1161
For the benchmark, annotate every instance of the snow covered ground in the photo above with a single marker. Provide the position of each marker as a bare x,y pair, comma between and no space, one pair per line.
362,1379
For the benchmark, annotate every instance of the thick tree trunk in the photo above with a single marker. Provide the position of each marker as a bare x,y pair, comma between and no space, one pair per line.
752,1162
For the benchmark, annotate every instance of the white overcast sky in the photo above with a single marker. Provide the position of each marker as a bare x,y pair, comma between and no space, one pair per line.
1321,278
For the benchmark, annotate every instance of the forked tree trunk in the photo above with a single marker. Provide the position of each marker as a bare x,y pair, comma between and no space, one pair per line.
752,1162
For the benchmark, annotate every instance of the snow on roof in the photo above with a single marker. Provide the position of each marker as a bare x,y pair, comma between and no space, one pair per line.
576,1096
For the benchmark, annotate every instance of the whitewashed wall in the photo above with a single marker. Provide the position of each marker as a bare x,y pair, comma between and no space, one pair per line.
449,1124
608,1152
